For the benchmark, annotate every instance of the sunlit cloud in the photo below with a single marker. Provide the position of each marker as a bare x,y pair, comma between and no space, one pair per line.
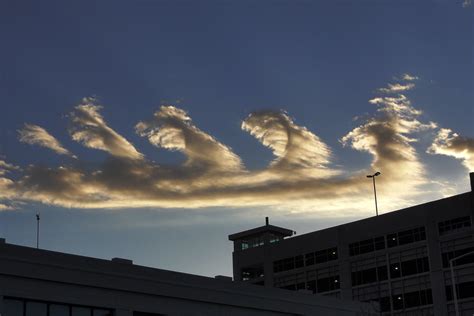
409,77
301,176
387,137
397,87
91,130
451,144
36,135
292,145
171,128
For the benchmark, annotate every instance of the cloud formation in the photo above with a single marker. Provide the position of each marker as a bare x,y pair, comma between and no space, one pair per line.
451,144
171,128
91,130
386,137
397,87
294,147
36,135
213,175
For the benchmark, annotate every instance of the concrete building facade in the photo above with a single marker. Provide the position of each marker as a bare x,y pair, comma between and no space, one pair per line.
399,259
37,282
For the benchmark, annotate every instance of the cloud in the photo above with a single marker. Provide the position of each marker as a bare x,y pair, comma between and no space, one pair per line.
300,176
387,137
294,147
36,135
91,130
171,128
466,3
451,144
7,190
409,77
397,87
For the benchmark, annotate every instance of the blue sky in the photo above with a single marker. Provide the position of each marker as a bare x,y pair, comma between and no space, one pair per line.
219,64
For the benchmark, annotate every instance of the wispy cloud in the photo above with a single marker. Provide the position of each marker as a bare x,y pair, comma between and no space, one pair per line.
409,77
387,137
171,128
92,131
397,87
301,173
451,144
294,146
36,135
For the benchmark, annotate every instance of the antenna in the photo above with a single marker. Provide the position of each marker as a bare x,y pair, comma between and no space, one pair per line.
37,229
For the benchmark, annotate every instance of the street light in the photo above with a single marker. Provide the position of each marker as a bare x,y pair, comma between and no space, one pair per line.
453,281
375,191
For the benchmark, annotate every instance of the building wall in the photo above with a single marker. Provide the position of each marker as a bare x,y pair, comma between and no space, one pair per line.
48,278
422,259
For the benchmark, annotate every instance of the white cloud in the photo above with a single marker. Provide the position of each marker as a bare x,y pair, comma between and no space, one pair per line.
36,135
451,144
397,87
172,128
299,177
92,131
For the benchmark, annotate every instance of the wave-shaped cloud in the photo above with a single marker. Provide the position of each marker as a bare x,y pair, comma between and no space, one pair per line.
90,129
451,144
36,135
213,175
294,147
172,128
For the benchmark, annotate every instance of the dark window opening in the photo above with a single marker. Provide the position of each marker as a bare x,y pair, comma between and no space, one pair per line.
369,275
366,246
463,290
406,237
446,256
409,267
454,224
412,299
253,272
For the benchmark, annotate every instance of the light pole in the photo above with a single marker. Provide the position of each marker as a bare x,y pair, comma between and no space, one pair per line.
453,280
37,229
375,191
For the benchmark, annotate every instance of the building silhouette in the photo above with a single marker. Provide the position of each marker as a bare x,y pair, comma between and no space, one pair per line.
400,259
36,282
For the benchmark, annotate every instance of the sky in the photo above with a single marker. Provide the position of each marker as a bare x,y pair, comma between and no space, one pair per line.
151,130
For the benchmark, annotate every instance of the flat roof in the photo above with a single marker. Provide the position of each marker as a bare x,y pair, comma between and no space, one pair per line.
262,229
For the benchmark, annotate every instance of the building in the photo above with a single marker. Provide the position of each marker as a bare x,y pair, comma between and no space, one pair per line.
399,259
36,282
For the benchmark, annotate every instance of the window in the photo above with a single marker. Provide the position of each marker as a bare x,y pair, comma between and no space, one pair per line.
369,275
13,307
251,243
22,307
366,246
446,256
253,272
463,290
406,237
58,310
409,267
412,299
454,224
321,256
328,284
